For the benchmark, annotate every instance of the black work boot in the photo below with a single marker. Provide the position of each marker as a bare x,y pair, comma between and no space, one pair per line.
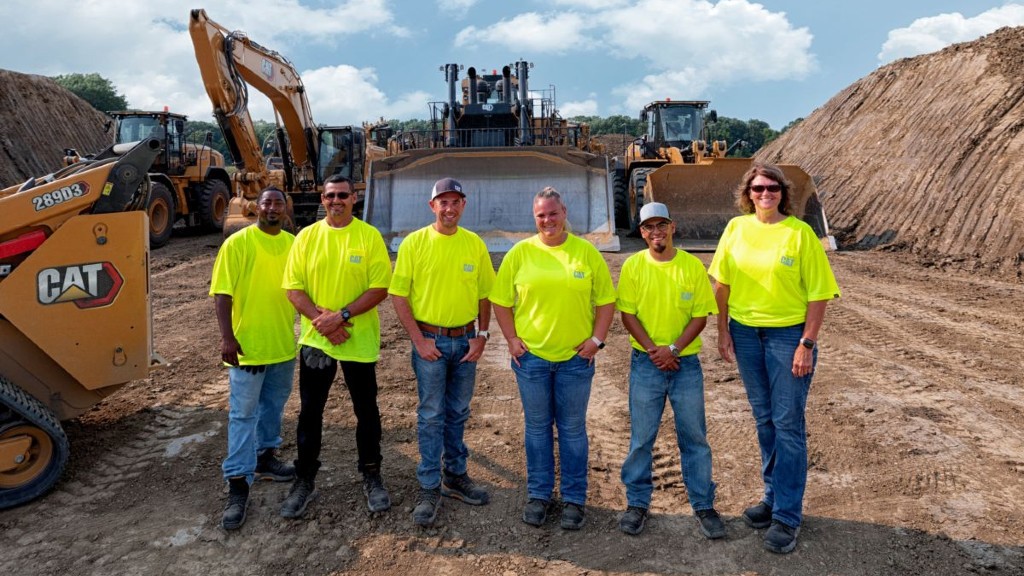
377,497
303,492
238,501
268,467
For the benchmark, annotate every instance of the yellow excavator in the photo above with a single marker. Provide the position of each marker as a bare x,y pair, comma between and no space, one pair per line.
75,317
230,63
504,142
675,163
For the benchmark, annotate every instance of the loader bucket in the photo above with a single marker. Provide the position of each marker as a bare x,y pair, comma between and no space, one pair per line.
500,184
702,197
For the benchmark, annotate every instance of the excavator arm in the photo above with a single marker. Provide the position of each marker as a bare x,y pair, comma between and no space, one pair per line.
230,63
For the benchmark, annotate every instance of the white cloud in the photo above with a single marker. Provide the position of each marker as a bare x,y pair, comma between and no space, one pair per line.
144,48
586,107
591,4
703,46
555,33
673,48
455,6
348,95
935,33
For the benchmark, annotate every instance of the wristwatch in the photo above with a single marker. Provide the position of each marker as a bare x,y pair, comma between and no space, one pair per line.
672,348
345,314
484,333
595,340
807,343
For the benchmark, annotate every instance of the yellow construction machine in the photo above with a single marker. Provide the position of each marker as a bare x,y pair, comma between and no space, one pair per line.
675,164
504,143
188,181
75,317
230,62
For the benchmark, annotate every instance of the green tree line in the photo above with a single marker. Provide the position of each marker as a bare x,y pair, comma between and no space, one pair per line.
744,137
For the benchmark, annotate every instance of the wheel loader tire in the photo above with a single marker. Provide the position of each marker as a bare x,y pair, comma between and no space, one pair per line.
41,465
160,208
620,193
638,181
321,213
213,205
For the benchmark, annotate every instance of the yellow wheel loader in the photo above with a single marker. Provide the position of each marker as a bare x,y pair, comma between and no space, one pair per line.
675,164
504,143
75,317
189,181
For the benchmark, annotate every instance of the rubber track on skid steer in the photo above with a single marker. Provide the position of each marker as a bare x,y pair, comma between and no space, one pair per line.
32,411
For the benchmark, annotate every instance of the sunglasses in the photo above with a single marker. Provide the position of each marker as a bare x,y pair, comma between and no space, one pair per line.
338,195
773,188
660,227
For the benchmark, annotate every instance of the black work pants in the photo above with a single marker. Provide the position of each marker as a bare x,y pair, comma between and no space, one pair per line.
314,387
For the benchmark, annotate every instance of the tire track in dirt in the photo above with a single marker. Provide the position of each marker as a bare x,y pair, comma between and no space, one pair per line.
892,347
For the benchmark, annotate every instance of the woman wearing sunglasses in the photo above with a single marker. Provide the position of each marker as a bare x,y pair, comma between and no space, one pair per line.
773,281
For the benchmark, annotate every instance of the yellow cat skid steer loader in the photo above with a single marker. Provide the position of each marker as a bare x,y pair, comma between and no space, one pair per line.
75,318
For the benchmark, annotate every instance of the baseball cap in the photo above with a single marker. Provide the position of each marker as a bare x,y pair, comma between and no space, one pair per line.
446,185
654,210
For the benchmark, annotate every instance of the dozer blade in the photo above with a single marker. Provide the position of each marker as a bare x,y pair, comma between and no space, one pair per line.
500,184
702,198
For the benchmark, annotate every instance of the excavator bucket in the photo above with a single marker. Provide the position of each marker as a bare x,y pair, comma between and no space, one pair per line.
500,184
702,198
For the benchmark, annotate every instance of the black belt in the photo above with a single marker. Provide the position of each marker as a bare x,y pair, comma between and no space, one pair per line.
442,331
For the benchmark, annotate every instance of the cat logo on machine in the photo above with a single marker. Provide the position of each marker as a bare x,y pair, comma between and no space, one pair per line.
87,285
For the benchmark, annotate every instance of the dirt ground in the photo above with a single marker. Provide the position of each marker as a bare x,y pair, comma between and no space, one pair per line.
916,455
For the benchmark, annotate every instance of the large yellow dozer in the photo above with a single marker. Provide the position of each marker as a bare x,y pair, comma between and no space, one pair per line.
75,317
503,143
675,164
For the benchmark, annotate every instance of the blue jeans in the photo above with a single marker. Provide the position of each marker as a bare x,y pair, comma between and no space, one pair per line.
684,389
778,401
256,404
555,393
445,388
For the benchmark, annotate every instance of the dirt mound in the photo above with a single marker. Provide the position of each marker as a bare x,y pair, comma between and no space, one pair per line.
925,154
38,120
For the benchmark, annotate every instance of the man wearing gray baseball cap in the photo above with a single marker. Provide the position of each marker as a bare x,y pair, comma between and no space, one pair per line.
665,298
443,277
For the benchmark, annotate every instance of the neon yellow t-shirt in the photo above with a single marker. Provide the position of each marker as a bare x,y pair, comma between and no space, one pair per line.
772,270
249,268
444,277
334,266
665,296
553,292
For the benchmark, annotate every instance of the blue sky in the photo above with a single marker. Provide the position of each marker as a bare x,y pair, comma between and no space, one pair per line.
775,60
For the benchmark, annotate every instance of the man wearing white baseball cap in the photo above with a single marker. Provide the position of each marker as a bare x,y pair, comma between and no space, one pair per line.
443,277
665,298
